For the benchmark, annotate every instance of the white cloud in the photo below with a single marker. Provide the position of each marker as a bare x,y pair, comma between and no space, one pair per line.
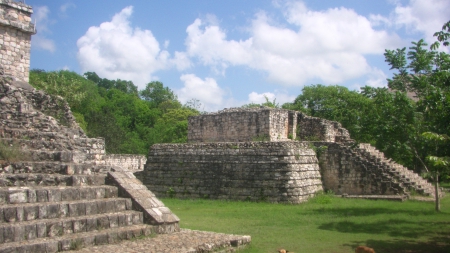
424,16
63,9
207,91
115,49
40,40
329,45
280,97
377,79
43,43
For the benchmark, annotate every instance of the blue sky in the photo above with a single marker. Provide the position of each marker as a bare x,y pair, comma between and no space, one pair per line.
229,53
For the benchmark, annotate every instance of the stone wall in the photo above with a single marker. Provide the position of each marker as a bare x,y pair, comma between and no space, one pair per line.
272,171
238,124
318,129
126,162
16,29
263,123
344,173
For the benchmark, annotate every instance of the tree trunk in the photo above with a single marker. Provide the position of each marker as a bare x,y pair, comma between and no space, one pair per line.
436,192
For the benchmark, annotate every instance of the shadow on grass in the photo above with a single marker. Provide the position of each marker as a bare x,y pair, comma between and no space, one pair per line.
438,244
369,211
391,227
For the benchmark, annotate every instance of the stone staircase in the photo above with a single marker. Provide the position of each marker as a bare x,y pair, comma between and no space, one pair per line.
42,213
58,193
405,178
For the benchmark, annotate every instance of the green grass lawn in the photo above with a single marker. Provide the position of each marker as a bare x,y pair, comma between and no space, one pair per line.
324,224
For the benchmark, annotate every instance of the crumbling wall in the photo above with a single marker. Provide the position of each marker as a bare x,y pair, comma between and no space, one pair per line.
318,129
16,29
257,171
237,124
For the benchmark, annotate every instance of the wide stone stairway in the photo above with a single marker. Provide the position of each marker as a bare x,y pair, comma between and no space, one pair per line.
406,178
56,192
50,213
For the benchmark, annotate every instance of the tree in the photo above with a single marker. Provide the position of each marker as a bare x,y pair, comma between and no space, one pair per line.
122,85
426,73
335,103
439,165
157,93
391,124
268,103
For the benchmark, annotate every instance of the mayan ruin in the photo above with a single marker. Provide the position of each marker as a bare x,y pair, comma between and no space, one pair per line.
238,164
61,189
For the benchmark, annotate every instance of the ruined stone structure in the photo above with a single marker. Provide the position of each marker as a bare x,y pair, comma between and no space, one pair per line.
238,125
16,29
263,123
58,188
271,171
248,154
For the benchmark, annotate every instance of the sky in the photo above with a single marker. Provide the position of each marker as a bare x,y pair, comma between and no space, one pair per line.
227,53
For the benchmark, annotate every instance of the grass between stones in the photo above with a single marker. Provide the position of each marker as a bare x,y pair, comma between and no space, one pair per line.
324,224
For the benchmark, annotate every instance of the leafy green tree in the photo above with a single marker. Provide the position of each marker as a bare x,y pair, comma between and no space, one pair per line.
122,85
172,126
112,109
81,94
438,165
335,103
157,93
391,124
426,73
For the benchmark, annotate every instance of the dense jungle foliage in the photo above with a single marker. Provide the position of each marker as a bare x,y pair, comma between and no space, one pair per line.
129,120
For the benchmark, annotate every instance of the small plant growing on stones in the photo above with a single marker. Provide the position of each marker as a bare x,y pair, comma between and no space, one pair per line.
76,245
262,137
10,152
171,192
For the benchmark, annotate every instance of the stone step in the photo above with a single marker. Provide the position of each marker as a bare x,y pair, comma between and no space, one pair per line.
41,179
79,240
54,210
26,194
8,132
52,167
404,177
29,121
66,156
29,230
64,144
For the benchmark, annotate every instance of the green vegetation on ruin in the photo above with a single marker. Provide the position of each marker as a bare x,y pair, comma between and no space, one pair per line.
324,224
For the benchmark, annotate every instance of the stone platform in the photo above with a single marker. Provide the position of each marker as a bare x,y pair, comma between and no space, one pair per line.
185,241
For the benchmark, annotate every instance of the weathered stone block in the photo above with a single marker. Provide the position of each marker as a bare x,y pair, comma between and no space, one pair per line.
101,239
102,222
77,209
91,224
91,208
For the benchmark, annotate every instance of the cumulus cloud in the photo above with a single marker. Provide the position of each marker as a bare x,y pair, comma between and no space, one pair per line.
280,97
328,46
40,40
115,49
424,16
206,90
